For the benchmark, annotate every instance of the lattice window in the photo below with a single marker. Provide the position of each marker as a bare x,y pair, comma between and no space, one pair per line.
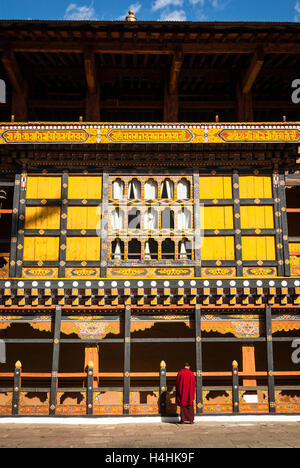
156,208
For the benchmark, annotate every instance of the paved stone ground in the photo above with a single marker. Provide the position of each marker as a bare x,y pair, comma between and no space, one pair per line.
152,435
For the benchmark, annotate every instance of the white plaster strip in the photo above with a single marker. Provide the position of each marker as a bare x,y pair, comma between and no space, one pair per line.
149,419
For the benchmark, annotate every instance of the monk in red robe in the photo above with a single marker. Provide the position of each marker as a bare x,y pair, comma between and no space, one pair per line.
185,393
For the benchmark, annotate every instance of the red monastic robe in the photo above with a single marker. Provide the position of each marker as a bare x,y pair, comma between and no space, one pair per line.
185,387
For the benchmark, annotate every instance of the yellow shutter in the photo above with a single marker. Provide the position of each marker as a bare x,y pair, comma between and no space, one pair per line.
257,217
41,248
43,187
218,248
215,187
83,249
255,187
83,217
84,187
42,217
218,217
258,248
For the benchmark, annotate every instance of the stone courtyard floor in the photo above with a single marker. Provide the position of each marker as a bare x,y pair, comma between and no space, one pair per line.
152,435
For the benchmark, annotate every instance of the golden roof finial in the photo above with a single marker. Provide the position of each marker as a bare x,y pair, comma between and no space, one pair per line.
18,364
234,364
130,16
90,365
163,365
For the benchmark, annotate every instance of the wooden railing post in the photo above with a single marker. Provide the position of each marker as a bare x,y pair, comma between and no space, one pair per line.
199,379
17,388
235,387
163,388
55,362
89,388
126,382
270,360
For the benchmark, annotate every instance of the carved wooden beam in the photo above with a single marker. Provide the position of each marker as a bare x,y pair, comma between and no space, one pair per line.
252,72
175,71
165,48
13,71
153,104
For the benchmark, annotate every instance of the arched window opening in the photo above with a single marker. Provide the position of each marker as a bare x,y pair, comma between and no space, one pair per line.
167,219
134,249
168,249
118,189
185,249
117,249
134,219
183,189
151,250
150,189
134,189
184,219
167,189
117,219
151,219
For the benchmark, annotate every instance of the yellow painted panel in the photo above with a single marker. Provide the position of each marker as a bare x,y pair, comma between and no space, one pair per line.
218,248
43,187
218,217
85,187
216,187
255,187
42,217
41,248
87,217
294,247
83,248
257,217
258,248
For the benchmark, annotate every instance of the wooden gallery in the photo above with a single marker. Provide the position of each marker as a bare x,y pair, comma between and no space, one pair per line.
150,215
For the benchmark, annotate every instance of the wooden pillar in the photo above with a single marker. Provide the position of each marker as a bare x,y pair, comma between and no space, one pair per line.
19,105
163,388
270,360
170,106
14,229
245,86
244,105
198,341
91,354
89,387
284,224
92,104
197,220
171,88
248,353
126,383
104,225
21,225
237,223
16,389
235,388
63,226
55,361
